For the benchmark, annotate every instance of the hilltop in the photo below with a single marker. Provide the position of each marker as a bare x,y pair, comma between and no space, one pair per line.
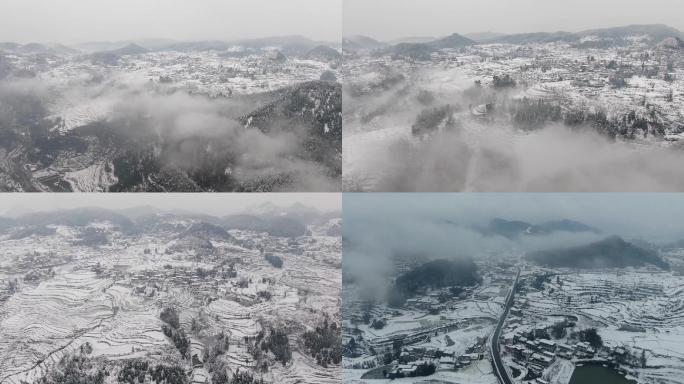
611,252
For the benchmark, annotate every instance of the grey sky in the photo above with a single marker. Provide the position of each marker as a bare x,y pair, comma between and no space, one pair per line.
390,19
76,21
655,216
217,204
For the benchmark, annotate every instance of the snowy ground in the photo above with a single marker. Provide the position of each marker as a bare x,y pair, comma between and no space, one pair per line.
639,310
464,324
380,152
92,294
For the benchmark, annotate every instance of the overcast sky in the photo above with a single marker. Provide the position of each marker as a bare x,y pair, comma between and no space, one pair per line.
217,204
76,21
390,19
655,216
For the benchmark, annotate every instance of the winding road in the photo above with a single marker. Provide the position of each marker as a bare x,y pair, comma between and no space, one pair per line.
499,368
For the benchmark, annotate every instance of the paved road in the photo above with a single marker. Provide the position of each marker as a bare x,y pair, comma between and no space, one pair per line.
499,368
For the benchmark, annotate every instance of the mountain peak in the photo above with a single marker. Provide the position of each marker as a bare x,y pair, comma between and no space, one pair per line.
611,252
452,41
131,49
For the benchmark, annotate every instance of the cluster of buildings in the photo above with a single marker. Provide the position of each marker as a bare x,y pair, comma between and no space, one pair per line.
551,62
537,354
644,79
414,360
219,75
213,73
208,283
428,303
416,368
437,300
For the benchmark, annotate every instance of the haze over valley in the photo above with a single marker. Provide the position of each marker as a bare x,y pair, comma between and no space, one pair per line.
513,288
596,109
162,114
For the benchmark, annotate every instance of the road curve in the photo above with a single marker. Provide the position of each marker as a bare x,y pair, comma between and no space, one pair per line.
499,368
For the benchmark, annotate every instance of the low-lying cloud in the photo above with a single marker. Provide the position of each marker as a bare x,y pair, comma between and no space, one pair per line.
381,230
381,153
194,133
554,158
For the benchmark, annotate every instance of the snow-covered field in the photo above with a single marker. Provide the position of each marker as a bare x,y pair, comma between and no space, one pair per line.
57,295
460,328
489,150
633,310
96,116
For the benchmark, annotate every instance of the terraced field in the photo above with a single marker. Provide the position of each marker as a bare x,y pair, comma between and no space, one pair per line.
652,300
637,310
58,294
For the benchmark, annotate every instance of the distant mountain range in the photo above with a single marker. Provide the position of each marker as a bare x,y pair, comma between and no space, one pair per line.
656,32
112,57
611,252
417,48
412,40
38,49
289,45
296,45
513,229
452,41
355,43
536,37
413,48
75,217
101,46
278,221
323,53
282,226
652,33
483,36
